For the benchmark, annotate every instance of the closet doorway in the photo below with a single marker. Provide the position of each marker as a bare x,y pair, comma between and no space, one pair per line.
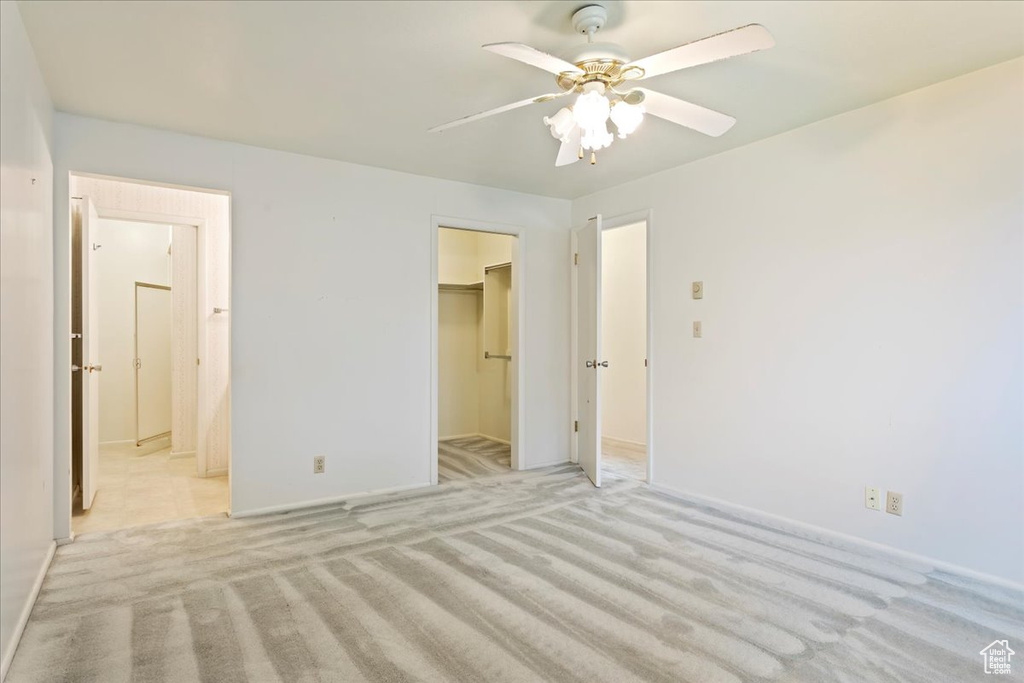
476,353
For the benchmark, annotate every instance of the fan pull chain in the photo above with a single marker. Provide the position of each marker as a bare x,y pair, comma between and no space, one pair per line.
581,153
593,158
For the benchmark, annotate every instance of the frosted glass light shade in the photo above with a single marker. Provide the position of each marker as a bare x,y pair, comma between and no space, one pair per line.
596,138
561,124
627,117
591,110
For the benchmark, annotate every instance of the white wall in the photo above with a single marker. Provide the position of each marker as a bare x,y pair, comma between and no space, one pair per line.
458,257
862,320
495,392
185,334
26,328
330,306
130,252
624,333
458,381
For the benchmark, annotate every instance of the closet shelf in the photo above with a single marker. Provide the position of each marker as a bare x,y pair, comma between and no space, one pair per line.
452,287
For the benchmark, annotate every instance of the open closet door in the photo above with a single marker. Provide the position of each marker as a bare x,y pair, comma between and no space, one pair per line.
587,271
91,365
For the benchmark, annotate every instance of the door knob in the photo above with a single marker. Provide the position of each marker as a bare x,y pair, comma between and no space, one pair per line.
94,368
591,363
603,364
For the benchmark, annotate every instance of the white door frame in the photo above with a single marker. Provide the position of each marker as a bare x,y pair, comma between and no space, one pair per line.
642,216
517,334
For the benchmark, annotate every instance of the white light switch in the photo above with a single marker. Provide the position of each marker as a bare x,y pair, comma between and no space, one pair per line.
698,290
696,329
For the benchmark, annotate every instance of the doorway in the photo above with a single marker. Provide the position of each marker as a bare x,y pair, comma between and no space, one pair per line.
145,357
476,363
611,370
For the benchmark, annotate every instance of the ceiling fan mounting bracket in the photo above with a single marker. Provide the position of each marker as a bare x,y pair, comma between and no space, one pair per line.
589,19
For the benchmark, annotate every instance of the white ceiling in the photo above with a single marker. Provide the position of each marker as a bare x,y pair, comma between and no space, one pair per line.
363,81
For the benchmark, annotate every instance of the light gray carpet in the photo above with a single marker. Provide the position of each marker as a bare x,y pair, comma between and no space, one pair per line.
471,457
522,577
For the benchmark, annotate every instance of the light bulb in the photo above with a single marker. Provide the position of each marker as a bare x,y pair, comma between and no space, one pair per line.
561,124
591,110
627,117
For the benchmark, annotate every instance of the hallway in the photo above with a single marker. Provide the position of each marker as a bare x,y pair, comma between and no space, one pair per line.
145,485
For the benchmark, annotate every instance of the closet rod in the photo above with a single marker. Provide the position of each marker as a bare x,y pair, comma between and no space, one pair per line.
488,269
488,354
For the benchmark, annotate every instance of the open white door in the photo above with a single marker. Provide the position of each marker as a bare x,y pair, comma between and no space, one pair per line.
588,347
91,365
152,362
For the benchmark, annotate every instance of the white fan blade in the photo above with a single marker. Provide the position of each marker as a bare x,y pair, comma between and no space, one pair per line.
497,110
687,114
569,152
739,41
533,57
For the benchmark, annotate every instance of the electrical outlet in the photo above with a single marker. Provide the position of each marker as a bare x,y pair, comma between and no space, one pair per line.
894,503
318,464
872,498
697,331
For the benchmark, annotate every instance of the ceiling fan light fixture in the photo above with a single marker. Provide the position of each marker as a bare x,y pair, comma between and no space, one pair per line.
591,110
561,124
626,117
596,138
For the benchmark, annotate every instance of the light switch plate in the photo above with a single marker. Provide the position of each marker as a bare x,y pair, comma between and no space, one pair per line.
697,329
698,290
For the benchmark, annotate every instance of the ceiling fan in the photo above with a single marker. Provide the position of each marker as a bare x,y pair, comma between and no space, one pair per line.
602,75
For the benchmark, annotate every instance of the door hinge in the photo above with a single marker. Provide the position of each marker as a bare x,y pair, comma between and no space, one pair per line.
645,362
197,361
575,259
576,426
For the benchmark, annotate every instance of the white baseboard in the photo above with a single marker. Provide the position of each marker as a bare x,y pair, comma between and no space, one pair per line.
26,611
615,441
66,540
181,455
457,436
495,439
219,472
835,537
288,507
116,442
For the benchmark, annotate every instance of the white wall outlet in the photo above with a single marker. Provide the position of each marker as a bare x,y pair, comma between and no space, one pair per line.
698,290
697,329
872,498
894,503
318,464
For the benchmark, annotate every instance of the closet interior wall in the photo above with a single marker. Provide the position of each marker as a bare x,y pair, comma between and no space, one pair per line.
474,392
